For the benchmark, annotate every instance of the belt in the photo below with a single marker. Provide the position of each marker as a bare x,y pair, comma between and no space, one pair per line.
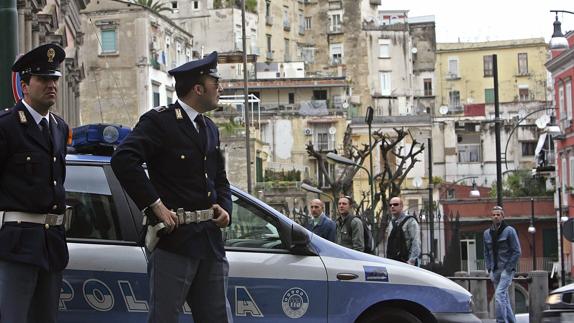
40,218
187,217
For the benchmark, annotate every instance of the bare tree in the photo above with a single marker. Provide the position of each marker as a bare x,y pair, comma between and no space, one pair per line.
395,161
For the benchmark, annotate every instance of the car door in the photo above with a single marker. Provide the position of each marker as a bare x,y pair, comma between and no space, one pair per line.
267,282
105,280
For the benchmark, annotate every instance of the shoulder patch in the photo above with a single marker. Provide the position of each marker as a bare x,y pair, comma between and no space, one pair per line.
161,108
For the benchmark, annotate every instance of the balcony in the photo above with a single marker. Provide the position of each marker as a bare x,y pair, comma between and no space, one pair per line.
335,29
286,25
269,56
269,20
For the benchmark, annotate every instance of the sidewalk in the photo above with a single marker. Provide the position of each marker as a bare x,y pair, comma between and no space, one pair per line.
520,318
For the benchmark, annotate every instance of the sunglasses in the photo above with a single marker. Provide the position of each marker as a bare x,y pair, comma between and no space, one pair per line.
394,204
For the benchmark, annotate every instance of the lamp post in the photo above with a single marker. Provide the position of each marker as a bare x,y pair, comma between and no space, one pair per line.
474,192
558,41
532,231
369,121
561,237
246,98
497,132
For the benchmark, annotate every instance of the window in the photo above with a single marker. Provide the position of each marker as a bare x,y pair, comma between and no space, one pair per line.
571,177
561,102
109,41
286,22
269,52
335,21
195,5
488,96
287,55
307,23
528,148
319,94
335,4
523,94
170,99
174,4
568,99
454,99
307,54
522,64
452,67
268,8
251,228
94,215
468,147
385,79
487,62
291,98
155,88
384,48
427,83
336,53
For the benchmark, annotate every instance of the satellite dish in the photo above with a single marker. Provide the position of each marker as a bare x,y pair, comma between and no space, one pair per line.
345,105
414,50
542,121
417,182
443,110
332,130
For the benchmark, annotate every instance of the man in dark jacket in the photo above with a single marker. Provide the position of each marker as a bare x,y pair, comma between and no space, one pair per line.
321,225
33,251
403,245
350,236
180,147
501,254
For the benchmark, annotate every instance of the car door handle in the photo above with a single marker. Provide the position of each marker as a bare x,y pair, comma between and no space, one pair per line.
346,276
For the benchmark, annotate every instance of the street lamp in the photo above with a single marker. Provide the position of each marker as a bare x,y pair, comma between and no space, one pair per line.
558,41
474,192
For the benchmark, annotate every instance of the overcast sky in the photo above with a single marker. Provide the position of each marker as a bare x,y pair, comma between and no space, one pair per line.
488,19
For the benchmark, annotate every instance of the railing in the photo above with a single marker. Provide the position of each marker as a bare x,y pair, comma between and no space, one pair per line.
524,264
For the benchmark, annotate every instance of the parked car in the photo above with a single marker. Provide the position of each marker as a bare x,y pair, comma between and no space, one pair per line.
279,271
560,305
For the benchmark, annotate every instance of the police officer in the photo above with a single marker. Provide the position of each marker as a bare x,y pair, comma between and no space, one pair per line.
33,251
188,191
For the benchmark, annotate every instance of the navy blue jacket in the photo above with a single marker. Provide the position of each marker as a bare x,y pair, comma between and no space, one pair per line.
326,228
182,173
32,180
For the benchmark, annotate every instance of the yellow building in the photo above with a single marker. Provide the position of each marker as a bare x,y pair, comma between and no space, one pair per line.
464,72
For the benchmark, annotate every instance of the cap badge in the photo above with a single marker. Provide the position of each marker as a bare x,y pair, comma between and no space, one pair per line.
178,114
51,54
22,116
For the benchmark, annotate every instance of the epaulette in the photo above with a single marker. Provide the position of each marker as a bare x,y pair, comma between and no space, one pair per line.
161,108
5,112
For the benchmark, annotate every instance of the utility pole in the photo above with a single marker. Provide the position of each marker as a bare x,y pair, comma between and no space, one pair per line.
497,132
246,99
8,50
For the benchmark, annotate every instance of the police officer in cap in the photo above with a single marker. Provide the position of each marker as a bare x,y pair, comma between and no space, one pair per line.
188,191
33,251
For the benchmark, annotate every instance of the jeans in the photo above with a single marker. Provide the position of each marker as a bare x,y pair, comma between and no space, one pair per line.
502,280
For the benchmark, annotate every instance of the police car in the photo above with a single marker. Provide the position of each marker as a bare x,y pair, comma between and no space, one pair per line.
279,271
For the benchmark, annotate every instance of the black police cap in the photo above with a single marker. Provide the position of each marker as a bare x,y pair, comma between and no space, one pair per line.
43,60
204,66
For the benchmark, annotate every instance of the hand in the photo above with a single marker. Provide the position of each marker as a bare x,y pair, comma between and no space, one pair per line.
166,216
220,216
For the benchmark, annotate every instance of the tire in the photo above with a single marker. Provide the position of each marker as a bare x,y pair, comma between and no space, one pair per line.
390,315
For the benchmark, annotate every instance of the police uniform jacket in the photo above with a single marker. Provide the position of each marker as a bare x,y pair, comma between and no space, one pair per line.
32,180
183,173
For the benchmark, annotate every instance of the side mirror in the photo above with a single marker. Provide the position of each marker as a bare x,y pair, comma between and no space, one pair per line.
299,241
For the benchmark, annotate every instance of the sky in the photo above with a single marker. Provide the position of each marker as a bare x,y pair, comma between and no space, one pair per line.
487,20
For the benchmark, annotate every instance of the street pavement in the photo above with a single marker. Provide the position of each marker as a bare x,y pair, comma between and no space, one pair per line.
520,318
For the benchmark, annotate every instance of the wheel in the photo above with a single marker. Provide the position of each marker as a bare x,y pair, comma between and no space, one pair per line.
390,315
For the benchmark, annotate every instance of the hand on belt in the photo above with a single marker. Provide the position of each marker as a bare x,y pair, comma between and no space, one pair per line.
39,218
187,217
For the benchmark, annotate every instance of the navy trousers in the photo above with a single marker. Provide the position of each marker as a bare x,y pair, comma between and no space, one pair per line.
28,294
174,279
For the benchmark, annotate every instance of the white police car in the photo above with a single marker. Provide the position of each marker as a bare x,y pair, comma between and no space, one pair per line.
279,271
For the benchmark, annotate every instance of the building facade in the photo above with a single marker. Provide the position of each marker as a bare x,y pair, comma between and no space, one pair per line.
128,50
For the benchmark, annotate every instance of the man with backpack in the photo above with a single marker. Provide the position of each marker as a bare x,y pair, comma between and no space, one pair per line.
349,227
403,235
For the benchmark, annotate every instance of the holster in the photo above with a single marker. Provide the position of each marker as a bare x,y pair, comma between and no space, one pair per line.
153,229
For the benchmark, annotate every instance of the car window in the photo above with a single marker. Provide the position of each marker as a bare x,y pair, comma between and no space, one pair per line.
94,215
251,228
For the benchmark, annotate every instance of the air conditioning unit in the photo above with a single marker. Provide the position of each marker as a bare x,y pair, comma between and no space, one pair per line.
167,40
188,52
308,131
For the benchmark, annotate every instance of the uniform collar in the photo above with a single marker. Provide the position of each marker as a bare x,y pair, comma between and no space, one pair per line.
191,112
37,117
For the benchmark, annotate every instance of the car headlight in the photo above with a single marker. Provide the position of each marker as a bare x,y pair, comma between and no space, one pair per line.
553,299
